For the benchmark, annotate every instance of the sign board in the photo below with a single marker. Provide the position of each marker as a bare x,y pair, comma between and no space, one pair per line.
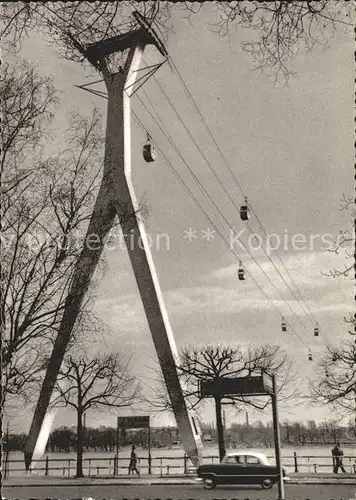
267,382
237,386
137,422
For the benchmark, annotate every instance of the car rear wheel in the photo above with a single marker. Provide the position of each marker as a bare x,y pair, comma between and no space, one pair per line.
267,484
209,483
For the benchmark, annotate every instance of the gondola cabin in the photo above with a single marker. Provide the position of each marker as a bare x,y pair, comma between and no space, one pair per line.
244,211
284,325
316,330
241,272
310,356
148,151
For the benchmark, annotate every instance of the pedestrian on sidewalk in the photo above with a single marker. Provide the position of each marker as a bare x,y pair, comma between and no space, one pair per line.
337,454
133,461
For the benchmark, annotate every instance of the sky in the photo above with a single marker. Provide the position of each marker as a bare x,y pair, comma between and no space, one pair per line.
290,148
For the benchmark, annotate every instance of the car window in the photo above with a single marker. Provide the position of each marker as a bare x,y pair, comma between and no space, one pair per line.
252,460
229,460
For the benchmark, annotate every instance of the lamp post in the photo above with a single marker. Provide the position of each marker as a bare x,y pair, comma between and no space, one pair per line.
277,440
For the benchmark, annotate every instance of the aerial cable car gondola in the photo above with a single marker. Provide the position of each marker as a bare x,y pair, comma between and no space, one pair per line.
310,355
244,211
284,325
316,330
148,151
241,272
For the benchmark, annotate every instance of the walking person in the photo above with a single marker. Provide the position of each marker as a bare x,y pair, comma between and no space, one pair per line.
133,461
337,454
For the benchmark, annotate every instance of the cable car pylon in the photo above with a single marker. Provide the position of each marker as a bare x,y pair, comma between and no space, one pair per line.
116,197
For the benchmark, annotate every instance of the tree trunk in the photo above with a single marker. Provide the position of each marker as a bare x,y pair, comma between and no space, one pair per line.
80,437
219,428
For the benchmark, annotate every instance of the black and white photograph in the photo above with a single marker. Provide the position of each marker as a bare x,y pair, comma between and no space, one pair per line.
178,257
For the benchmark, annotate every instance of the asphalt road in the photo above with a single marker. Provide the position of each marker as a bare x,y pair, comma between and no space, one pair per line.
186,492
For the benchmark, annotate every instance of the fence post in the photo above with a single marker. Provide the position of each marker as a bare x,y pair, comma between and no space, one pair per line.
149,463
46,470
167,470
161,467
295,462
69,467
115,465
185,464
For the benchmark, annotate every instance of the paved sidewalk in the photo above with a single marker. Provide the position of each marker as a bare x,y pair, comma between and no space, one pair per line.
38,481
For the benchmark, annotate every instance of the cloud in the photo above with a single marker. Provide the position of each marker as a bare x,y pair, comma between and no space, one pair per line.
239,310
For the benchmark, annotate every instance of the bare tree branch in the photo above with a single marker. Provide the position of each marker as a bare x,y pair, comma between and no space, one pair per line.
216,362
336,383
103,381
46,205
276,29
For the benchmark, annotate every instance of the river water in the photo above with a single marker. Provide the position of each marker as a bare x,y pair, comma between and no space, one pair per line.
170,461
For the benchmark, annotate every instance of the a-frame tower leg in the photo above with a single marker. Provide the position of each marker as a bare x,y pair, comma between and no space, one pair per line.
144,268
100,224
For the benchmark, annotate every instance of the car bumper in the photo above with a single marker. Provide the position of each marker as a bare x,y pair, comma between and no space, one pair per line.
200,479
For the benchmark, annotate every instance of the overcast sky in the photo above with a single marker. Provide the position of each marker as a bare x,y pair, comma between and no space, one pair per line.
291,150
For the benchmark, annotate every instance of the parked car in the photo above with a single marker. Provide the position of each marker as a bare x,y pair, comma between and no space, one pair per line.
243,467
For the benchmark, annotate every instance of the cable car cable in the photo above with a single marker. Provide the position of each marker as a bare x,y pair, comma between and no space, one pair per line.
227,164
220,212
197,202
228,223
234,177
305,308
215,227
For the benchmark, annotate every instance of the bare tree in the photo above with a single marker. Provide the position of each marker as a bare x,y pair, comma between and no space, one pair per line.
98,382
312,430
336,383
46,204
344,242
218,362
280,28
277,29
74,25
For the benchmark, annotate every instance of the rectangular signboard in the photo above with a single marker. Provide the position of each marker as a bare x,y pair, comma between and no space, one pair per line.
267,382
236,386
137,422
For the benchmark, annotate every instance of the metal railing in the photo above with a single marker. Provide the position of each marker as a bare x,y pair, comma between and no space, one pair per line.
163,466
